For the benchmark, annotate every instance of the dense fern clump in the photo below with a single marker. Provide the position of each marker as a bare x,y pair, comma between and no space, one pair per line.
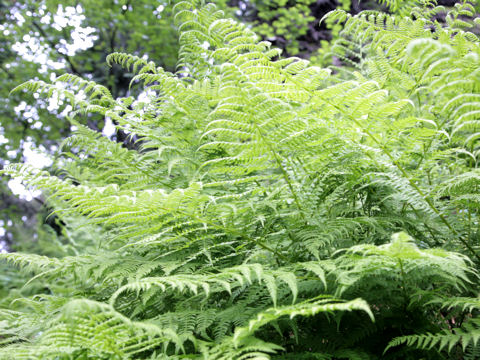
270,209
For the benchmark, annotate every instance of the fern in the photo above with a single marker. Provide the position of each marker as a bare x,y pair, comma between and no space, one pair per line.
252,218
467,335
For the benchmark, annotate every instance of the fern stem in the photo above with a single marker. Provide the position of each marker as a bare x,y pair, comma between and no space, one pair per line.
437,243
284,172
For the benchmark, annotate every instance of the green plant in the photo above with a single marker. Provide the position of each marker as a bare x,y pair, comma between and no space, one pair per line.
264,210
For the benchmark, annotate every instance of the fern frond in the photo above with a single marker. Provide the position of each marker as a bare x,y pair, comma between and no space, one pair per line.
468,334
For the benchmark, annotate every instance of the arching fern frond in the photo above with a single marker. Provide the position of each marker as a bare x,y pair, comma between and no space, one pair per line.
469,334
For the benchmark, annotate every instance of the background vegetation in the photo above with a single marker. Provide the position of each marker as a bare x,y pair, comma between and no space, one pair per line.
210,196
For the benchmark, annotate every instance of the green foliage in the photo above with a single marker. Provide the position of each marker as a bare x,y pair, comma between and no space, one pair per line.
264,209
41,39
470,333
276,18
